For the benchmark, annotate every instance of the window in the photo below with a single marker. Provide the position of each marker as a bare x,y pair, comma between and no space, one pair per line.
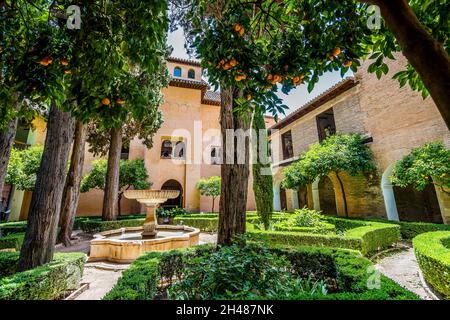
179,150
286,141
191,74
177,72
326,125
216,155
125,153
166,149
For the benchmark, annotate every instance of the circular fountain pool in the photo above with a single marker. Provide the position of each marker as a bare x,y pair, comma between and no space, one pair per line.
127,244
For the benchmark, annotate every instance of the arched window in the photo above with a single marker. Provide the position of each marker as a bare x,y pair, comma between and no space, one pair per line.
166,149
191,74
177,72
179,150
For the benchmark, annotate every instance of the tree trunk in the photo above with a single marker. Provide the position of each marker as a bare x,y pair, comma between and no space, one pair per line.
213,199
7,136
233,199
423,52
39,243
6,143
344,197
110,198
71,193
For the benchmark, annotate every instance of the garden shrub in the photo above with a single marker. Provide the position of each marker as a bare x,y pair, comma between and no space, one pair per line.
46,282
345,272
12,227
255,272
364,236
100,226
8,263
305,220
433,255
12,241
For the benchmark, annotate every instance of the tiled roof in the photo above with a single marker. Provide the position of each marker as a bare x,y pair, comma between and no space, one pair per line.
190,62
188,83
320,100
211,97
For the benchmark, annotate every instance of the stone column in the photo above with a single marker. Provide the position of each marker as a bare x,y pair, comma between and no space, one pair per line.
444,203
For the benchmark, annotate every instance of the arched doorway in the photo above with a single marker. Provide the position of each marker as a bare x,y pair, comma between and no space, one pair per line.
413,205
178,201
283,199
302,195
408,204
327,196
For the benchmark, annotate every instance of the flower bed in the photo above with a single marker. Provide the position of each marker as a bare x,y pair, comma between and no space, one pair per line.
46,282
347,274
432,251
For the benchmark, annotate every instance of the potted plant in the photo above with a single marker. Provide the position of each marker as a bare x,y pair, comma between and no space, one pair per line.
161,215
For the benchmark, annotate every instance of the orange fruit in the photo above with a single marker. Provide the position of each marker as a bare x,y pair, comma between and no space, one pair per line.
277,78
227,66
237,77
67,72
249,97
336,51
233,62
269,77
120,101
64,62
348,63
106,101
237,27
242,31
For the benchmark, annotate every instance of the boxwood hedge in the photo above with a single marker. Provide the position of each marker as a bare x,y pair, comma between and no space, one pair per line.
12,241
364,236
346,268
432,251
46,282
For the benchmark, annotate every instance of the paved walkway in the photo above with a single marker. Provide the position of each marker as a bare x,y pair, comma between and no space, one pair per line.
402,267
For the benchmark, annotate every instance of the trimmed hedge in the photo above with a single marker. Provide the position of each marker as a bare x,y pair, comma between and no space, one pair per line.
47,282
12,227
12,241
100,226
432,251
366,236
347,270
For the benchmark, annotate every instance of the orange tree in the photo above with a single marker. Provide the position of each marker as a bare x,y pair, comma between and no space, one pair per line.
96,72
251,48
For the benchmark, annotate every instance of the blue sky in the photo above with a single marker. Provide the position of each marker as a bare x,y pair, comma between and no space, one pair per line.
294,100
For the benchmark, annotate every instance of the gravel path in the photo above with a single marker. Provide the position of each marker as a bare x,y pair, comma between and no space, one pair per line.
402,267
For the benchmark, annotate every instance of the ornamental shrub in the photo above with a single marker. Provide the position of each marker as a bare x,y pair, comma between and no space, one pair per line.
432,251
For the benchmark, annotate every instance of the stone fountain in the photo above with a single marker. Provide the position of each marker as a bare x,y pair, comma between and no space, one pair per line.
151,199
127,244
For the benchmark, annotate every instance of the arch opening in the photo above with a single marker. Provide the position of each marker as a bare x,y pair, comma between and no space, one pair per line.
327,196
176,202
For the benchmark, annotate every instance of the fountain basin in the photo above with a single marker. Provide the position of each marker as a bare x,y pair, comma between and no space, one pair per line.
126,244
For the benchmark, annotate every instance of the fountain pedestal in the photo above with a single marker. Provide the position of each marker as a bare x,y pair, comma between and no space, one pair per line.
150,221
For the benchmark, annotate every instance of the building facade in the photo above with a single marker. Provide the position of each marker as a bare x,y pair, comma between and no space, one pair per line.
394,120
186,148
